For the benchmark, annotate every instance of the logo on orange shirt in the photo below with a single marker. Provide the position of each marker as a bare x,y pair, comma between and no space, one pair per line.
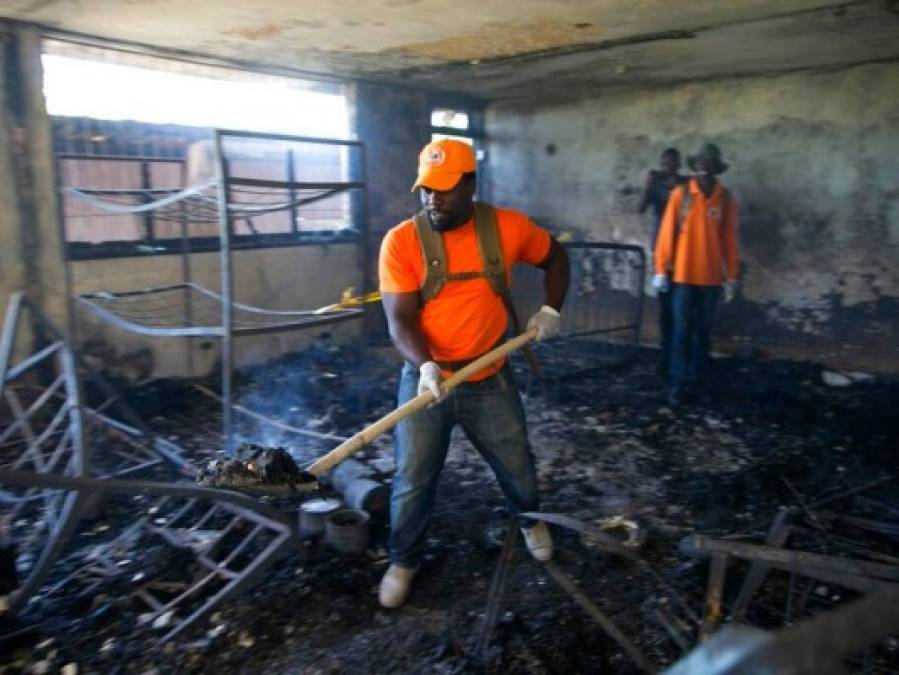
714,212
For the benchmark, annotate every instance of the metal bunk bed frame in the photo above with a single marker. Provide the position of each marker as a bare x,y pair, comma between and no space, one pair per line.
236,319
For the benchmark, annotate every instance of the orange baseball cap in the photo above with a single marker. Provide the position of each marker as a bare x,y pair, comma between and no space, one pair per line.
442,163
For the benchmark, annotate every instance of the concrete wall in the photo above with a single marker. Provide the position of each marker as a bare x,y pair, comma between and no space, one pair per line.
30,249
393,123
813,167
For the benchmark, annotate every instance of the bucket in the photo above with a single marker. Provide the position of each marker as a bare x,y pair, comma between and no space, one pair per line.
347,531
367,495
313,514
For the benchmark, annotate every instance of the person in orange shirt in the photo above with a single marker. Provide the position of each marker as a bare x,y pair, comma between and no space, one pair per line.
695,255
439,329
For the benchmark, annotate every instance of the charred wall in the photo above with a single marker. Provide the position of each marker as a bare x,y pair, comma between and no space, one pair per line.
813,167
393,123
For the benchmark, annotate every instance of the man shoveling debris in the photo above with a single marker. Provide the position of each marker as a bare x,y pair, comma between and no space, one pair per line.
444,281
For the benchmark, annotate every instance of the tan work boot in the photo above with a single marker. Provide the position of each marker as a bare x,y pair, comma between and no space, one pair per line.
539,541
395,586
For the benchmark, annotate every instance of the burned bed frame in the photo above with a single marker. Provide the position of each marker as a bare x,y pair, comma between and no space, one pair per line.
56,461
187,309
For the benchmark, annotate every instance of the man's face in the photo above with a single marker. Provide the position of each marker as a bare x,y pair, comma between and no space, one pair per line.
448,209
704,170
670,163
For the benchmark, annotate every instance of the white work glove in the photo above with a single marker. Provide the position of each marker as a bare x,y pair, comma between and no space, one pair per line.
547,321
660,283
429,378
730,290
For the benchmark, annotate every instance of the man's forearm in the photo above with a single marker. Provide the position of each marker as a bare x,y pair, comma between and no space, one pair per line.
555,278
409,342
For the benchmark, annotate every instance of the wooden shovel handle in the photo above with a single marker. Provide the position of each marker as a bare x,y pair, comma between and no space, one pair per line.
371,432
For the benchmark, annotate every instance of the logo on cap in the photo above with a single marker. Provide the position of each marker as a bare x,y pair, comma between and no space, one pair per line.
436,157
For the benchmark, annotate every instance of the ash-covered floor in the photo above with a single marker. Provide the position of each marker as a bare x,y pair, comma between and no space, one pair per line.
766,435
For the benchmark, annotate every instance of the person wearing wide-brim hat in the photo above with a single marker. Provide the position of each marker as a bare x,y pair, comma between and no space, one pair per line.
695,256
710,155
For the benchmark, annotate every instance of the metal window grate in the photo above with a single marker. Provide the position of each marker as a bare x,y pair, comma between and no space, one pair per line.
602,316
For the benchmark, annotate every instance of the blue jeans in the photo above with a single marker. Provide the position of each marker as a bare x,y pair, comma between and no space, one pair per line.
693,309
491,415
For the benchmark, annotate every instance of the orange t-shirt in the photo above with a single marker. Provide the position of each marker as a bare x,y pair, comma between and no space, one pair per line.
705,249
466,318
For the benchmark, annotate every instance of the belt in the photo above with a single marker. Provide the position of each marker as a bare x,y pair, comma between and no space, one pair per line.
453,366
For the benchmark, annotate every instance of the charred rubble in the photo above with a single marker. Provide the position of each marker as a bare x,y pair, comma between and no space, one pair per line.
770,502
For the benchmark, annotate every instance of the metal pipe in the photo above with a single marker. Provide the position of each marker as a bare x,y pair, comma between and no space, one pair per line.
185,490
497,587
227,291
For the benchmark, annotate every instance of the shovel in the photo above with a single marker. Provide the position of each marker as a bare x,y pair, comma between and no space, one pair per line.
308,479
353,445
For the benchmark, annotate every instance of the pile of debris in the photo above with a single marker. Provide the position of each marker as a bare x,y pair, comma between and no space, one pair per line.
771,503
255,468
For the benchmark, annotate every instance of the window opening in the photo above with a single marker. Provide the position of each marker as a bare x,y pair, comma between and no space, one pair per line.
131,130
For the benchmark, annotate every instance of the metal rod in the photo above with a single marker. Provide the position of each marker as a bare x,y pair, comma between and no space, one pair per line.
227,290
777,537
293,319
146,199
881,527
292,193
612,545
8,339
297,185
186,270
714,595
248,505
855,582
609,626
848,493
699,546
812,518
638,310
669,623
497,587
117,158
614,246
237,133
33,360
